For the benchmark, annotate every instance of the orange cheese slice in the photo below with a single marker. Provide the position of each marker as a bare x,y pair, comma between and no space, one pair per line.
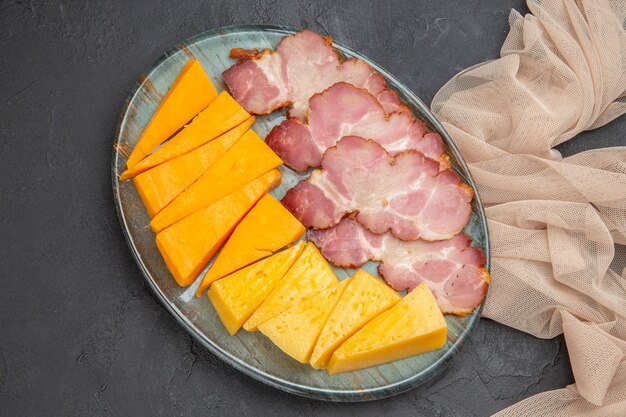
161,184
246,160
237,296
365,298
296,330
223,114
268,227
413,326
188,245
309,275
191,92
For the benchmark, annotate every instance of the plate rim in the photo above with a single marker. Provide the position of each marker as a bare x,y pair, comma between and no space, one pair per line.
358,395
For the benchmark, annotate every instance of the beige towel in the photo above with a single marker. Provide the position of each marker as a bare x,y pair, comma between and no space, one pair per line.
553,222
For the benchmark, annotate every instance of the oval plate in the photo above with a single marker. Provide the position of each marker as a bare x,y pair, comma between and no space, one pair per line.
252,353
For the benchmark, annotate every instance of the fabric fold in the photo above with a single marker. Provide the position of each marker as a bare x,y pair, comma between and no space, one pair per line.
554,222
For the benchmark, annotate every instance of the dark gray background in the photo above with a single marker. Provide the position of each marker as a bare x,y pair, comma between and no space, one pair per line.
80,333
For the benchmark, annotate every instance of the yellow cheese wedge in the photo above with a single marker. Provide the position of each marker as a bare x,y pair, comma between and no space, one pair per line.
188,245
268,227
161,184
309,275
365,298
191,92
237,296
223,114
413,326
296,330
246,160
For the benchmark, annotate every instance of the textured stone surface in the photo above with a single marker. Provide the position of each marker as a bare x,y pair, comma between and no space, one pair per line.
80,334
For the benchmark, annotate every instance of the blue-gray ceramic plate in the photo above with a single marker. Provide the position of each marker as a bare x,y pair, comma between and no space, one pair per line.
252,353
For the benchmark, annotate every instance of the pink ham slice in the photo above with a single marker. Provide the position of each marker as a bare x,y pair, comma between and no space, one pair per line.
406,194
453,270
302,65
344,110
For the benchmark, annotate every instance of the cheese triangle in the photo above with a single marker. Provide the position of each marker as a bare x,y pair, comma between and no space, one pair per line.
309,275
296,330
267,228
413,326
190,94
365,298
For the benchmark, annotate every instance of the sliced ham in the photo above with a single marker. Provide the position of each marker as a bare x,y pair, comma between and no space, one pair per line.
407,195
302,65
344,110
453,270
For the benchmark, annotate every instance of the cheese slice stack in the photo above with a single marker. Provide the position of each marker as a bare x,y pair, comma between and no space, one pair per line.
246,160
188,245
237,296
267,228
161,184
296,330
309,275
364,298
191,92
223,114
413,326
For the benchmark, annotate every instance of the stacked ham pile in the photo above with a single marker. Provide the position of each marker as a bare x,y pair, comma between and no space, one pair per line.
382,189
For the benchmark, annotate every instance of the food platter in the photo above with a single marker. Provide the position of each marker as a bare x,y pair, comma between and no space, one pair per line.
252,353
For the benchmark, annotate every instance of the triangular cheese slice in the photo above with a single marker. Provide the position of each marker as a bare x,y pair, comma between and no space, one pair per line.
413,326
237,296
296,330
246,160
191,92
161,184
365,298
309,275
188,245
223,114
267,228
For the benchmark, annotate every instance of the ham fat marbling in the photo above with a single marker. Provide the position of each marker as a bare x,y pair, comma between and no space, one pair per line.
453,270
407,194
302,65
344,110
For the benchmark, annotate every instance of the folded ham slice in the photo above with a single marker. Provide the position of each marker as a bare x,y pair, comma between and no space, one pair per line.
344,110
302,65
453,270
406,194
